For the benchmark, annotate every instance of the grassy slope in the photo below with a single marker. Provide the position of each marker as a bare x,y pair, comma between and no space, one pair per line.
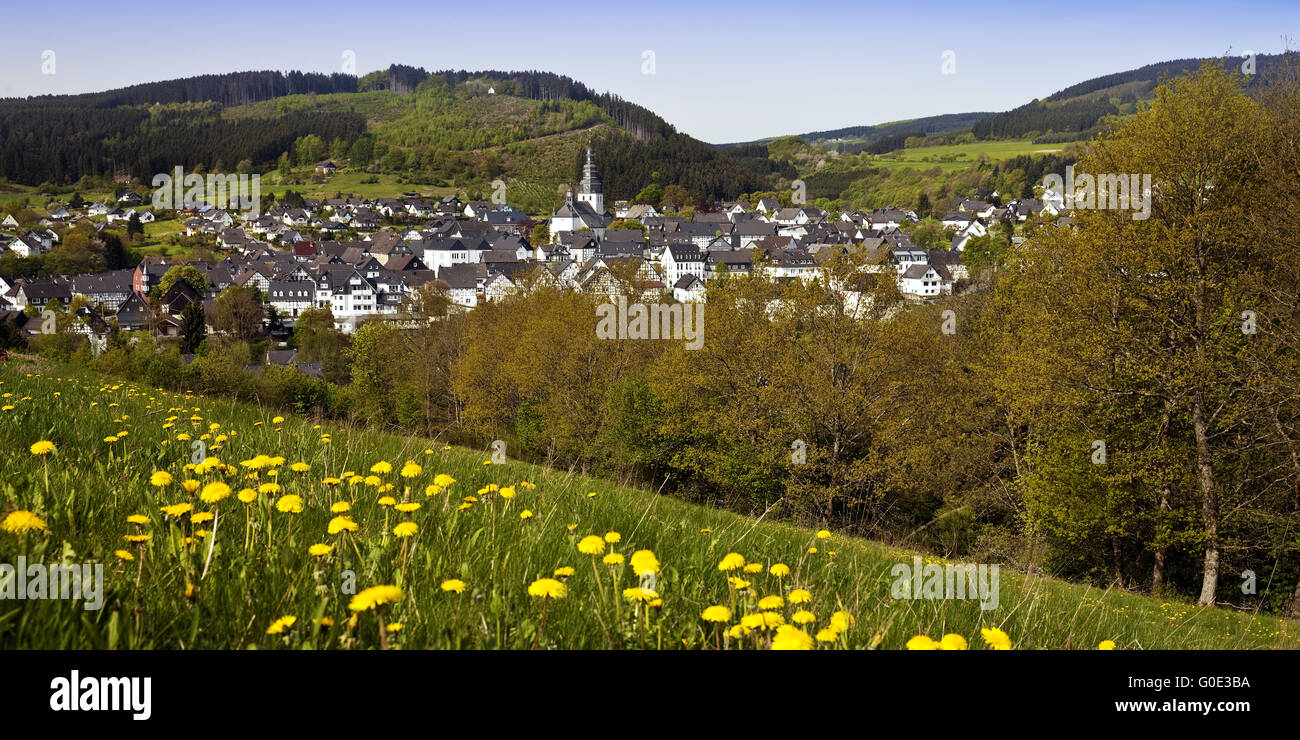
959,156
93,485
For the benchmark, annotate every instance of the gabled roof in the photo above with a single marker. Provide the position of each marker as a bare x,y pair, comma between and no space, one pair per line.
463,276
688,282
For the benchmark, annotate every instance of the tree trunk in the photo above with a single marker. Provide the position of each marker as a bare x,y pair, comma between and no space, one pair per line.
1209,507
1293,607
1117,562
1158,571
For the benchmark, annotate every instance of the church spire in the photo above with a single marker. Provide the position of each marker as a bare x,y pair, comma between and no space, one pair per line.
590,177
589,190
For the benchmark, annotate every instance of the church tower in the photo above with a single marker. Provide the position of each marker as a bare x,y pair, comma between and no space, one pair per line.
589,190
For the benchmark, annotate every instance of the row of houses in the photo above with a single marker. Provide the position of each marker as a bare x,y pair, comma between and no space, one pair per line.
479,251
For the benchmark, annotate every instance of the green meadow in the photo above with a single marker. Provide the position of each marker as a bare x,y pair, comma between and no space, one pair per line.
227,525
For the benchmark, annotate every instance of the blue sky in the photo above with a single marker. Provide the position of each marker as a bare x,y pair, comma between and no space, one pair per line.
723,71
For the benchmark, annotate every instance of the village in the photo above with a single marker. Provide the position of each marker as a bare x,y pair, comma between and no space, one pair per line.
476,252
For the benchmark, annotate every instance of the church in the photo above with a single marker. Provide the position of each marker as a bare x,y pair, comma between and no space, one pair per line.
588,211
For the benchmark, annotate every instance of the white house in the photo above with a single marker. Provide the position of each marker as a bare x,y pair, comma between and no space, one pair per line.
680,260
925,281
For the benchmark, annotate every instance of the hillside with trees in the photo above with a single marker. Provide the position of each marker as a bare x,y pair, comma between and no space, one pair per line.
443,126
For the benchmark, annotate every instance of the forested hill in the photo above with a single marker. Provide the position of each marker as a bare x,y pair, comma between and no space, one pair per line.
1077,111
1071,114
419,120
882,137
235,88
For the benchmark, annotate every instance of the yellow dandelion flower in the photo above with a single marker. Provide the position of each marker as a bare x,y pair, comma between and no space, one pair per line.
178,510
922,642
780,570
613,558
442,480
639,593
716,613
771,602
644,561
340,506
137,519
731,561
842,621
996,638
508,492
762,620
453,585
788,637
406,529
383,467
21,522
201,517
525,514
823,534
952,641
342,524
300,467
563,571
247,495
280,625
1106,645
320,549
214,492
387,501
591,545
800,596
803,616
547,588
43,447
407,507
374,597
190,485
289,504
124,554
411,470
